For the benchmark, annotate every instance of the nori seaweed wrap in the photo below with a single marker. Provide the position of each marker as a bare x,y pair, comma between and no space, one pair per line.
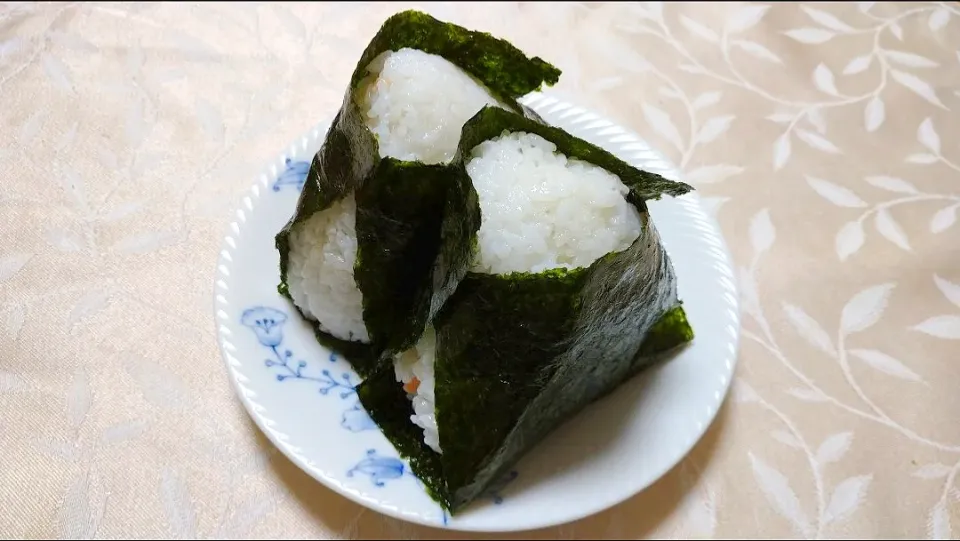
518,353
366,233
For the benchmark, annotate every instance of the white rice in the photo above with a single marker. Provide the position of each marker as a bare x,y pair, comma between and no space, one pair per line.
540,210
416,105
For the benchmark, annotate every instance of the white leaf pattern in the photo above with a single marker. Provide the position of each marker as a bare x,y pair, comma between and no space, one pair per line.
177,505
78,399
807,395
893,184
706,99
938,525
809,329
885,364
922,159
210,120
777,489
949,289
890,229
10,383
947,327
762,233
874,114
810,36
88,305
159,386
756,50
13,319
943,219
865,308
746,17
11,265
823,78
781,151
57,71
858,64
928,137
817,141
826,19
661,123
932,471
836,194
849,239
833,448
141,244
938,19
846,498
711,174
786,438
909,60
713,128
699,29
917,85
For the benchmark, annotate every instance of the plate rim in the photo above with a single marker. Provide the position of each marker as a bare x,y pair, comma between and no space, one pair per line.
536,100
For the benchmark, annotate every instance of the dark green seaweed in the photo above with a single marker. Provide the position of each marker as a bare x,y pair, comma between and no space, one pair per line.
520,353
405,267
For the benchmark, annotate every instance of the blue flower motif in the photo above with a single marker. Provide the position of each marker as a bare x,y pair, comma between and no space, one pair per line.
294,174
266,323
356,419
379,468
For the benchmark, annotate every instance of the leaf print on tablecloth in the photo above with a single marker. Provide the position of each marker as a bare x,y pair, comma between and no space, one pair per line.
78,399
757,50
712,174
83,507
938,19
784,500
932,471
30,128
886,364
762,232
817,142
713,128
949,289
823,79
893,184
826,19
698,29
88,305
917,86
874,114
122,432
62,240
786,438
909,60
807,395
661,123
11,265
865,308
947,327
12,320
177,505
810,36
141,244
781,151
849,239
943,219
858,64
928,137
746,17
836,194
159,386
846,498
809,329
56,71
938,524
890,229
11,383
833,448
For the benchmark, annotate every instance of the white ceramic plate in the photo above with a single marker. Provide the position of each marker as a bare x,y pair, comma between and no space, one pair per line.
302,396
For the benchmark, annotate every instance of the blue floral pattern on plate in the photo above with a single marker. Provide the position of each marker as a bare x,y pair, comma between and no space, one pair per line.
267,324
293,175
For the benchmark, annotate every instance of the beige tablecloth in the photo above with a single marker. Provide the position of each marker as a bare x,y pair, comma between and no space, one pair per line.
825,138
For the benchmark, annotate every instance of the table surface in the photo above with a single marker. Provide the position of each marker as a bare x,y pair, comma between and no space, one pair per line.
825,138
